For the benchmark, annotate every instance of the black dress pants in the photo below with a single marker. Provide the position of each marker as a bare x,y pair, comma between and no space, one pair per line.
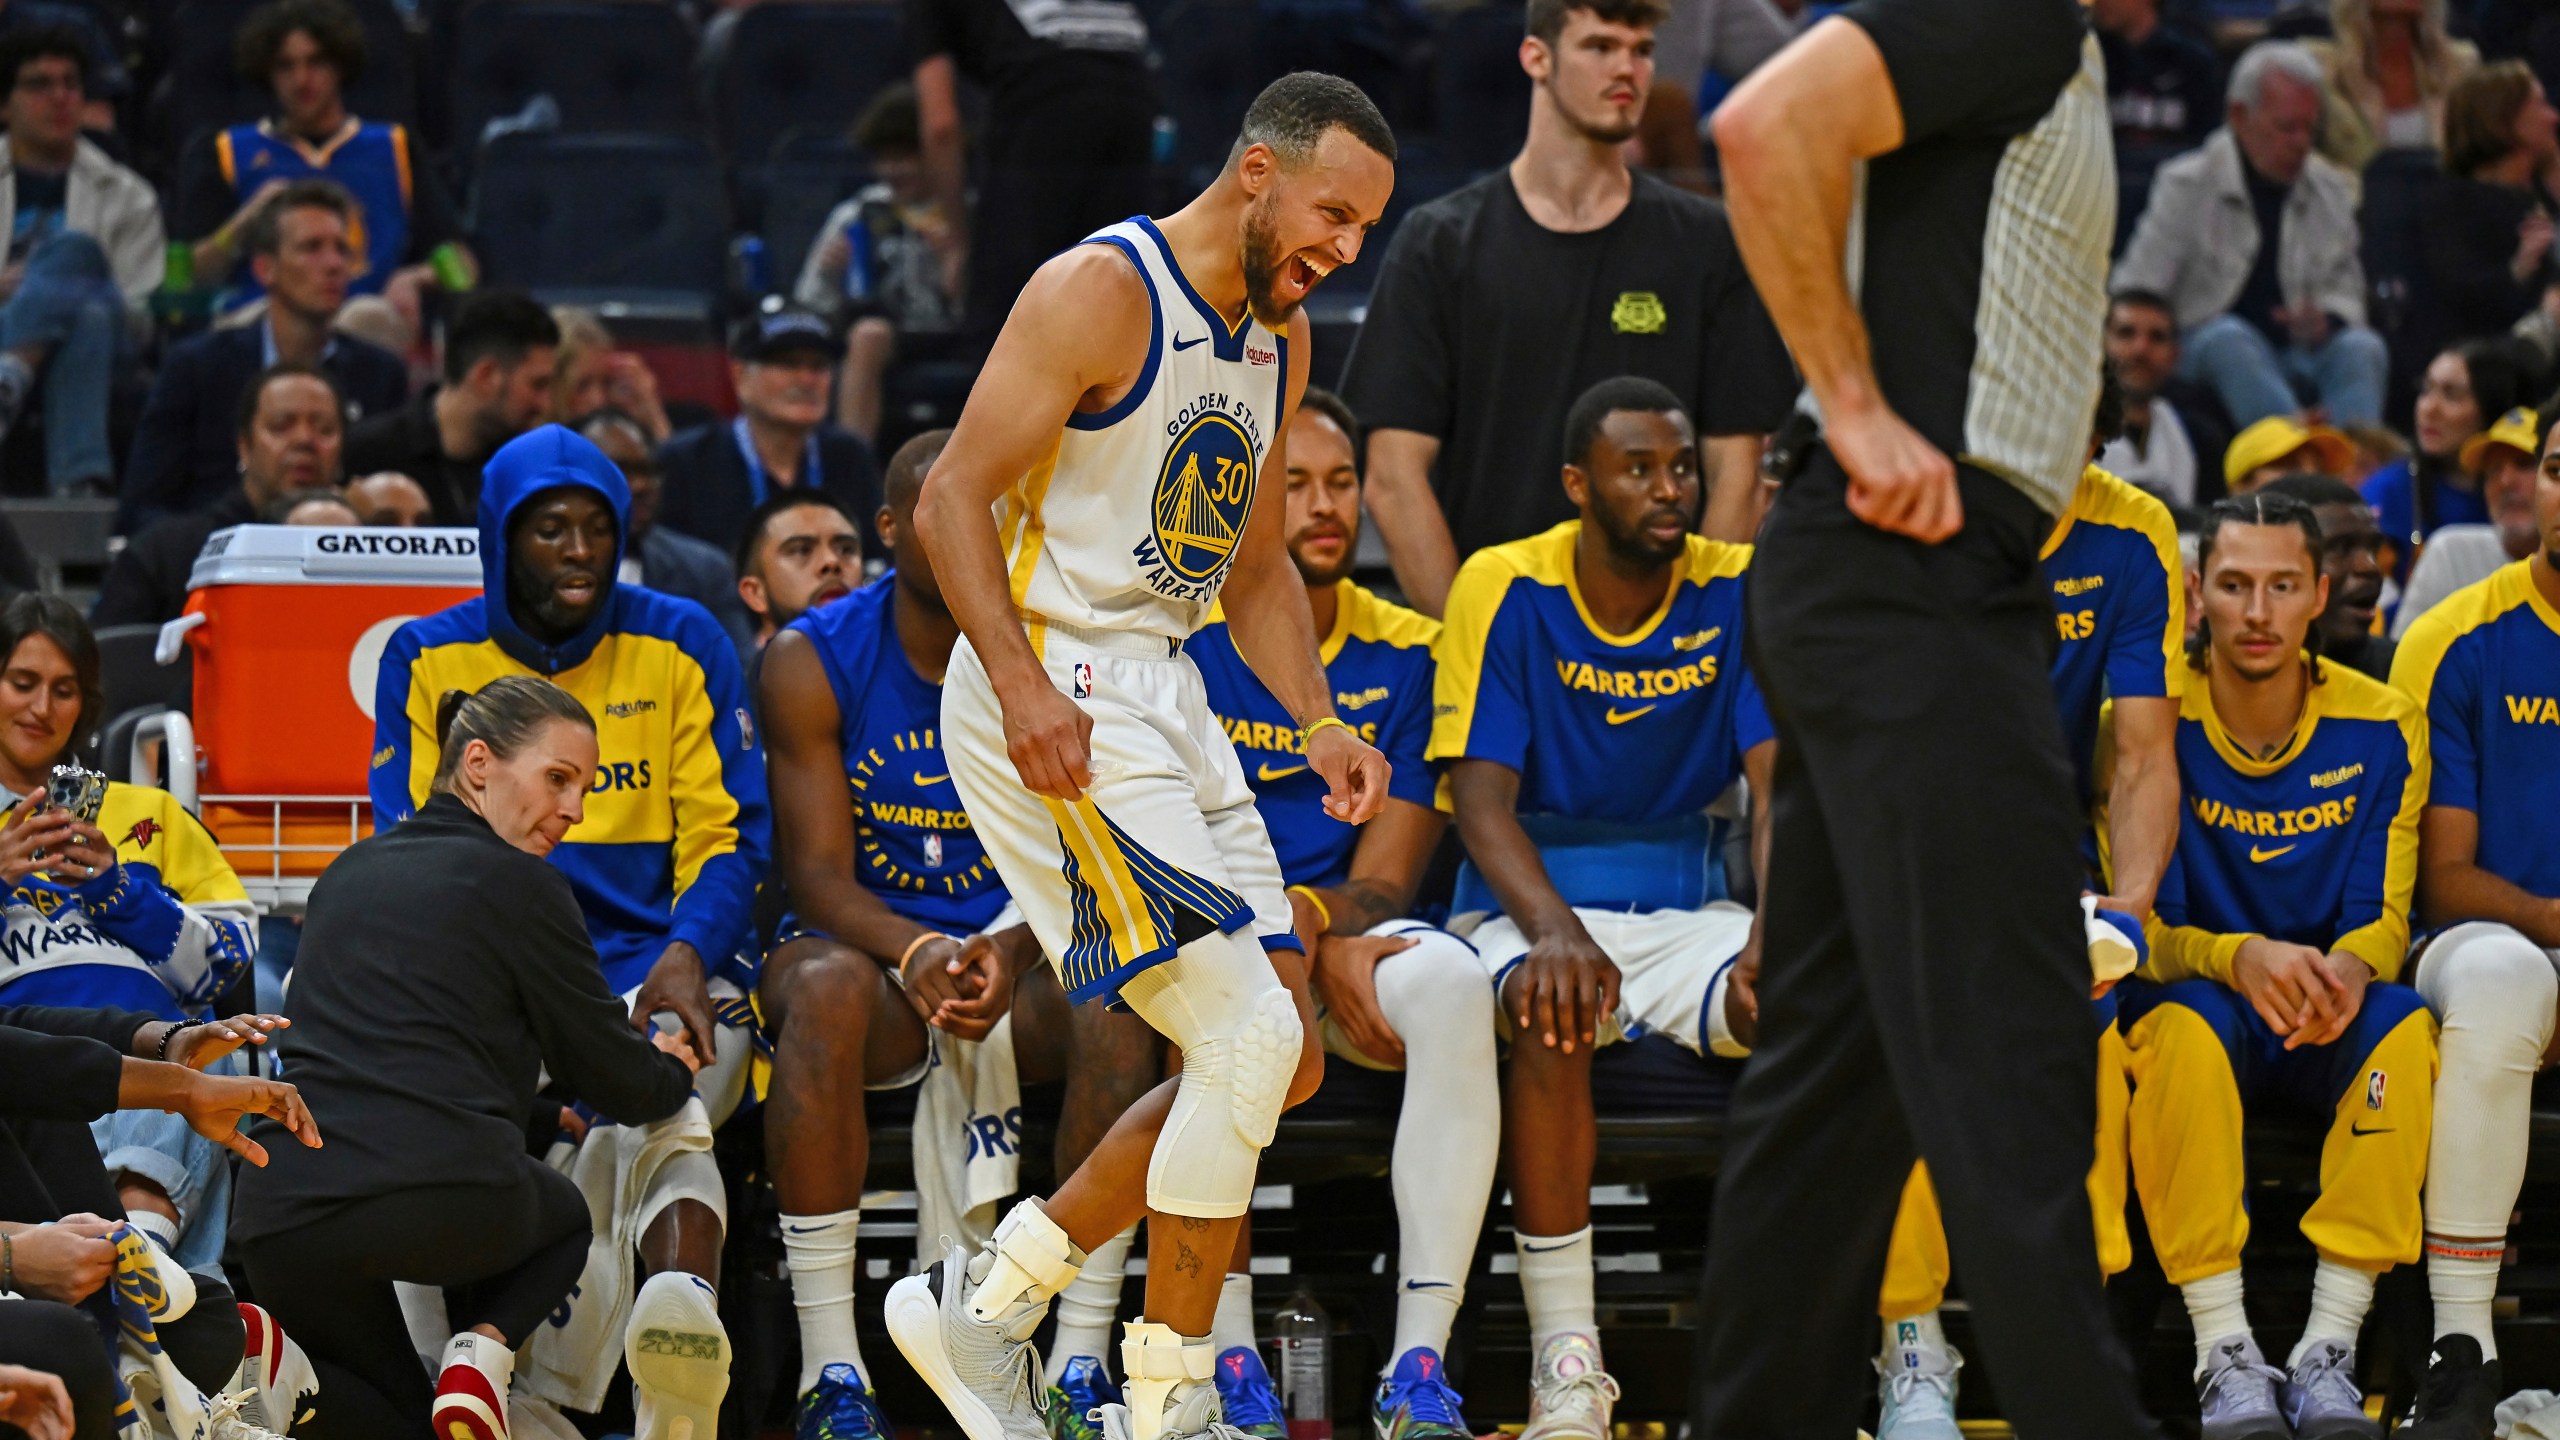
62,1341
1062,161
1924,987
505,1256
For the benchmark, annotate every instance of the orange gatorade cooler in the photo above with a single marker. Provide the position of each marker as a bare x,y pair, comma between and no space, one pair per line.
288,624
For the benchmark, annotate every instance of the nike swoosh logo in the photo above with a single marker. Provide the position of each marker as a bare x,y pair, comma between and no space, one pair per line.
1181,344
2377,1130
1546,1249
1616,718
1426,1284
922,779
1266,774
2262,856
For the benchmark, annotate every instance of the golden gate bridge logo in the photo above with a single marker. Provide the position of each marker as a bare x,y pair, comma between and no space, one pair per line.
1202,496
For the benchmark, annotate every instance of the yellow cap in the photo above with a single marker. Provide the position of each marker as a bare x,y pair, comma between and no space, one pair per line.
2519,427
2277,436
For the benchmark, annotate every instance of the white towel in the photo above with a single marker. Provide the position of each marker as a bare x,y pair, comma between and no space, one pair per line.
628,1173
967,1139
2529,1415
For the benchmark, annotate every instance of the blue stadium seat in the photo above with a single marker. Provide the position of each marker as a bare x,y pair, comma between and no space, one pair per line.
203,90
791,195
796,67
1480,98
1214,64
635,215
610,65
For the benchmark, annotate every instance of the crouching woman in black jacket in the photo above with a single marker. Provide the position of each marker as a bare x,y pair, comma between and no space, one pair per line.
444,965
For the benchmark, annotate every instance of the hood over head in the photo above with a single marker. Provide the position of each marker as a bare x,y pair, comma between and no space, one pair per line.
546,458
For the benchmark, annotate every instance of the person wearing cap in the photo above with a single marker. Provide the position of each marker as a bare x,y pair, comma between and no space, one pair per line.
2457,556
782,361
2281,445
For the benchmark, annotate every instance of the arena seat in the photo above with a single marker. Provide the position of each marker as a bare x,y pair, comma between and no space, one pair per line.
610,65
639,217
1480,99
203,89
1215,63
796,67
786,199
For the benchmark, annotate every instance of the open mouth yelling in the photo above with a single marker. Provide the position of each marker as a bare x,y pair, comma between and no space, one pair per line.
1302,274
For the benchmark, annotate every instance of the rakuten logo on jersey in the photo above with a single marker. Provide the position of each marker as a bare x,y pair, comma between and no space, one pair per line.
1256,355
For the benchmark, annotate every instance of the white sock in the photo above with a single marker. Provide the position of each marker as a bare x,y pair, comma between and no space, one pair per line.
1920,1332
494,1360
2340,1296
1555,1282
1090,1306
2216,1309
1232,1327
1448,1132
2462,1278
156,1225
819,1250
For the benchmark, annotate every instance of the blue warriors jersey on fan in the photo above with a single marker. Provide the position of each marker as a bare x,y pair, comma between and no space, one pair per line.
1619,740
2316,846
165,932
2119,598
370,161
677,828
913,846
1378,660
2486,665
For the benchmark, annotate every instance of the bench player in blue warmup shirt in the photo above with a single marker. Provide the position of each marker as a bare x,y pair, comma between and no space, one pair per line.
1592,703
2282,918
2119,613
1394,993
885,875
2486,665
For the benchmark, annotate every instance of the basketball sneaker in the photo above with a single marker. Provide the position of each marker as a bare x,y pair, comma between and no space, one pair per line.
1917,1399
840,1407
2321,1398
2459,1399
678,1352
982,1371
1414,1401
467,1406
275,1376
1191,1412
1570,1396
2238,1393
1246,1394
1084,1387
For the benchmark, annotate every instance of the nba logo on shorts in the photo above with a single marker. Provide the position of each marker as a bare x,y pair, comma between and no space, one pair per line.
932,851
2373,1091
1084,680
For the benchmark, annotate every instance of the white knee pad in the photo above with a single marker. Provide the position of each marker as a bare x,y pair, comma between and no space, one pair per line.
2488,979
1239,1042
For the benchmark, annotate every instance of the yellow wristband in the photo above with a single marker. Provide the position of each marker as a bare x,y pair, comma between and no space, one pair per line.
1324,913
1332,721
915,945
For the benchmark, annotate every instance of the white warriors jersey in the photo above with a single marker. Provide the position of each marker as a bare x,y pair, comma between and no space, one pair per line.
1132,520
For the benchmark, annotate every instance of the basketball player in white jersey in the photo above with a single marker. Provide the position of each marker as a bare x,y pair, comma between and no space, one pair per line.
1101,489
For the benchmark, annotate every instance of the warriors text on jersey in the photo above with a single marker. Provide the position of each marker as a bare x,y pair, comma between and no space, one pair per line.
913,845
1378,661
1131,521
2486,665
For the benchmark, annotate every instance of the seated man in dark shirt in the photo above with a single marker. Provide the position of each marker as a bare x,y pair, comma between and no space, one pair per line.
303,251
2164,87
783,364
287,441
498,354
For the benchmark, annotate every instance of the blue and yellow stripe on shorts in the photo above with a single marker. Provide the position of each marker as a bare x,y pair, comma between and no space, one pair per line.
1122,899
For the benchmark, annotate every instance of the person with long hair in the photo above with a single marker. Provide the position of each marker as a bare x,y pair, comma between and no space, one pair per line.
2487,243
2466,387
444,968
2388,71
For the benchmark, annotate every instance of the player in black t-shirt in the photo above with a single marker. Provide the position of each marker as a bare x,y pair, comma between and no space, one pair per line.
1069,135
1923,190
1501,302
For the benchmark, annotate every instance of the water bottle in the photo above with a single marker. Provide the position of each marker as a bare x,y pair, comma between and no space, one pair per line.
1305,1335
858,261
749,269
176,304
1167,137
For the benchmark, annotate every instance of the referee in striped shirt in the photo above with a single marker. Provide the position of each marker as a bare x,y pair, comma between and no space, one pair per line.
1923,191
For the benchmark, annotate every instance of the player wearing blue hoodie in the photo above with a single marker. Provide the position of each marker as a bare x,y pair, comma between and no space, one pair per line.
665,864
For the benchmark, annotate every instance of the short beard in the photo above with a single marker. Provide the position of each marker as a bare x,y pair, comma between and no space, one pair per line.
1317,579
1631,546
1598,134
1262,268
537,608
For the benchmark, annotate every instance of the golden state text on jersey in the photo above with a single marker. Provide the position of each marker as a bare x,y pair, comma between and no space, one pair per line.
1131,521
